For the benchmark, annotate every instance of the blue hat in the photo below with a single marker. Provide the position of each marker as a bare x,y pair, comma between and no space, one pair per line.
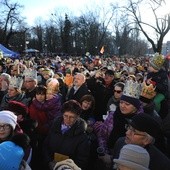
11,156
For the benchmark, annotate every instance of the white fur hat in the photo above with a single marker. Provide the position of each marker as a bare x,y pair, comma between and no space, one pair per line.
8,117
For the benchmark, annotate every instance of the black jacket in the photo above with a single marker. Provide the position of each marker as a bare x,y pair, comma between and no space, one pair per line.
73,143
83,90
158,161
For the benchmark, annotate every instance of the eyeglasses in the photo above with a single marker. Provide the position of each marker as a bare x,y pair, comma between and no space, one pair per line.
5,127
118,91
129,127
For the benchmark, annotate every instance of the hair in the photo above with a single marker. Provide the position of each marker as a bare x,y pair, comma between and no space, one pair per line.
41,90
120,84
88,98
72,106
6,76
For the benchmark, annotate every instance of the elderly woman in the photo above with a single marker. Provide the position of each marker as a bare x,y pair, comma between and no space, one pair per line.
67,137
114,126
14,93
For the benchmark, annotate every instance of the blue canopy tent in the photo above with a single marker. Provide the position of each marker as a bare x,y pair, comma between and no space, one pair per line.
8,53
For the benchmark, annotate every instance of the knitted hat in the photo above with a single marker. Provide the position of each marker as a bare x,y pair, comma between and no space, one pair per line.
131,93
17,107
8,117
133,156
157,61
67,164
134,101
11,156
146,123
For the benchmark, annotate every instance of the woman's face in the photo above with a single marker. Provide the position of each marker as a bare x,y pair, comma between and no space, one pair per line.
86,105
69,118
12,92
5,131
117,92
127,108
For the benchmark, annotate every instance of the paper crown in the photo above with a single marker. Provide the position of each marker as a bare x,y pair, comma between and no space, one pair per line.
29,73
148,91
16,82
157,61
117,75
132,89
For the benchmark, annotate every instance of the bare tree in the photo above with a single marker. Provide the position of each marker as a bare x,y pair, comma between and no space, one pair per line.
10,19
161,26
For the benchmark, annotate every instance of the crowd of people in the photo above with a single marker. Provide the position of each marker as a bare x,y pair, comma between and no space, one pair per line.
89,113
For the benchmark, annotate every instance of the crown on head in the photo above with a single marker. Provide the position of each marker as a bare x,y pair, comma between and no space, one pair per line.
157,61
16,82
148,91
29,73
132,89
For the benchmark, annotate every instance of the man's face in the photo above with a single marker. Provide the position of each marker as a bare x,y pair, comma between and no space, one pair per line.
78,80
108,78
136,137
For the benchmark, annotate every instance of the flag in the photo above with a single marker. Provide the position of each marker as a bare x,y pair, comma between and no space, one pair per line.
102,50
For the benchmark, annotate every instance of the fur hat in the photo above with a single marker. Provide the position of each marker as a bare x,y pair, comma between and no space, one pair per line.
133,156
157,61
67,164
11,156
8,117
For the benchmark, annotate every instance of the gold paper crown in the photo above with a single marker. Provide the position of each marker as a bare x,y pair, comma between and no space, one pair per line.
148,91
157,61
29,73
132,89
117,75
16,82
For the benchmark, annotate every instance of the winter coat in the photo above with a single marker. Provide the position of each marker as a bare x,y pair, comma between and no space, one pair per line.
161,80
113,128
83,90
19,97
40,117
102,94
158,161
73,143
51,107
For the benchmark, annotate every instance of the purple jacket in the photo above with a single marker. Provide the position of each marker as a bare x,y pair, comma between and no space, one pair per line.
51,107
104,129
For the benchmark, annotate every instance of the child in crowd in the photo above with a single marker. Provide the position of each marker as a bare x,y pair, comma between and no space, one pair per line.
39,115
159,78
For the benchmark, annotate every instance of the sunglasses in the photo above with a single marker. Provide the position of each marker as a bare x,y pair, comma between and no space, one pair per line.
118,91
